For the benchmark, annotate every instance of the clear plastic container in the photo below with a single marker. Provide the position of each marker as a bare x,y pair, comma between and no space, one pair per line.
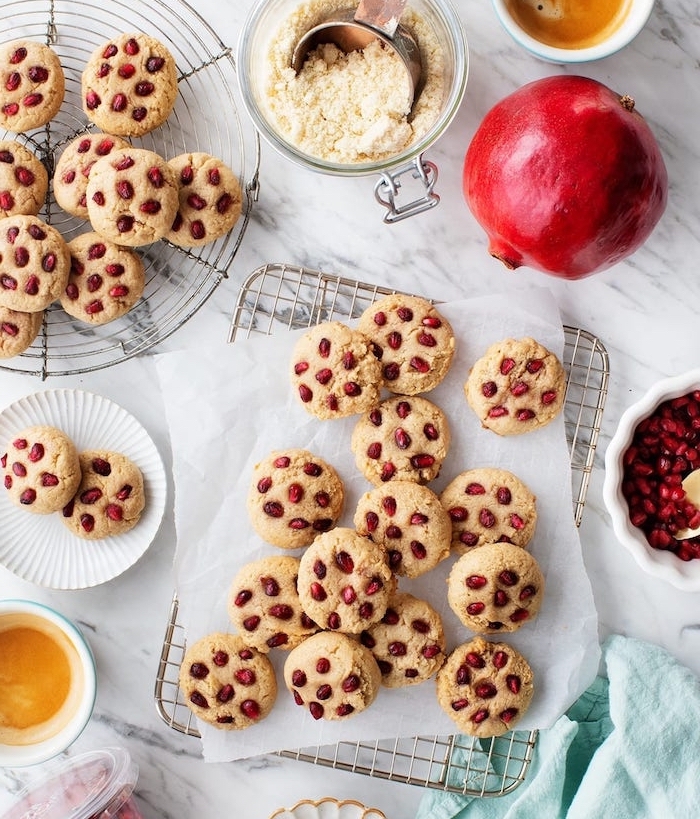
94,785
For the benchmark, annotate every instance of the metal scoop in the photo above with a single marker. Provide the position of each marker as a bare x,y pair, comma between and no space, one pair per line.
352,31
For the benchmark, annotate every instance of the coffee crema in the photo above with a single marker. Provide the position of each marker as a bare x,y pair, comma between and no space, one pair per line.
571,24
41,679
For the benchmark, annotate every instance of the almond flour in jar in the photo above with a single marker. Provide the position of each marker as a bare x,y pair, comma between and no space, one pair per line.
350,108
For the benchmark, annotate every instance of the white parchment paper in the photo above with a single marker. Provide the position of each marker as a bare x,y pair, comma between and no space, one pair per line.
228,407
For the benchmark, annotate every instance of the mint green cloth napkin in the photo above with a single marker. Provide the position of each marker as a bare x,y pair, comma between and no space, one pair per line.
628,748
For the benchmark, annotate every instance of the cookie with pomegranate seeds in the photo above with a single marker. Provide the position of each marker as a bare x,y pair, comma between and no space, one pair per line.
495,588
332,675
401,438
485,687
227,683
408,643
264,606
110,498
32,85
41,469
23,180
408,520
517,386
294,496
34,263
334,373
345,581
413,341
73,168
18,331
132,196
210,200
487,505
105,280
129,85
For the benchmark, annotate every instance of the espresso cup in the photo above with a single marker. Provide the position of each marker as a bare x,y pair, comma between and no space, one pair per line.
47,683
574,32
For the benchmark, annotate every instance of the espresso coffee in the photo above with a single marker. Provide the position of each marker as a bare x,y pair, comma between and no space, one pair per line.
571,24
41,679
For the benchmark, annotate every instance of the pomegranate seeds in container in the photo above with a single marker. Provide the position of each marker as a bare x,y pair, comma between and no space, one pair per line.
648,490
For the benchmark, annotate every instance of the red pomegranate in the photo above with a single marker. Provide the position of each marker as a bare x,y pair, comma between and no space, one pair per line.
565,177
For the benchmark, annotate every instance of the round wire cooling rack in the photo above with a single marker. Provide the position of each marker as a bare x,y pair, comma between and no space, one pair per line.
207,117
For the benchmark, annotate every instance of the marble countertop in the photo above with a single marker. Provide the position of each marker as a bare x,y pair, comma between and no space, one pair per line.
644,310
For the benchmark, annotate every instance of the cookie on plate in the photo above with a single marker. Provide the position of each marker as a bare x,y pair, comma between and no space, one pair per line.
334,372
408,520
32,85
332,675
401,438
41,469
105,280
408,643
495,588
345,581
485,687
132,196
23,180
110,498
263,604
294,496
487,505
18,331
227,683
413,341
517,386
129,85
34,263
73,169
210,199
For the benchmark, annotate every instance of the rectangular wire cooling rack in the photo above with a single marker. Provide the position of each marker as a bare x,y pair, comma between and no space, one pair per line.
280,296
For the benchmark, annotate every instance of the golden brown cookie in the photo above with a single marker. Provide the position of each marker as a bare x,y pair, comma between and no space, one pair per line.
408,643
226,683
402,438
264,606
486,505
32,85
345,581
495,588
332,675
408,520
210,199
73,169
334,372
105,281
517,386
132,196
17,331
129,85
413,341
294,496
485,687
23,180
41,469
34,263
110,498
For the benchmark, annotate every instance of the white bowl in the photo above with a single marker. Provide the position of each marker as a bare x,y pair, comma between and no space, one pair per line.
634,22
328,808
663,564
63,729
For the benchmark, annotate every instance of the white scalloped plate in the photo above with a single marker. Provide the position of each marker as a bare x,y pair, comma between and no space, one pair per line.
328,808
40,548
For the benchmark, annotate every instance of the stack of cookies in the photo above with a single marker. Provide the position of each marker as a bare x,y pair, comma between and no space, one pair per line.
98,493
336,606
128,196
